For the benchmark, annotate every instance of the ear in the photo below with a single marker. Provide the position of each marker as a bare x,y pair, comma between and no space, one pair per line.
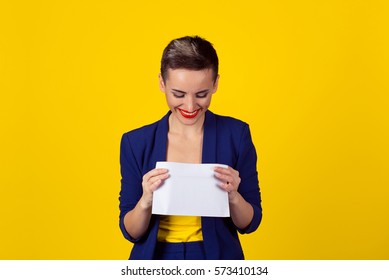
161,83
216,84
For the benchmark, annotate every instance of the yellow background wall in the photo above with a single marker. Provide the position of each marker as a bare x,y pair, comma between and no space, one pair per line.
310,77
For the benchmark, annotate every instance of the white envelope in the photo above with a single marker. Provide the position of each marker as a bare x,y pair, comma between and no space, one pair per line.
190,190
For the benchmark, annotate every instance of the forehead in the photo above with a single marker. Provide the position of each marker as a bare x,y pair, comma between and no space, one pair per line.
187,77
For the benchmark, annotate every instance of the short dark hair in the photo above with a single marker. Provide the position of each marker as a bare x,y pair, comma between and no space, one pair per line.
189,52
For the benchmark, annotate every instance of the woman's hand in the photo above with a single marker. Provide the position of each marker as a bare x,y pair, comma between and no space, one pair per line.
230,181
152,180
137,220
241,211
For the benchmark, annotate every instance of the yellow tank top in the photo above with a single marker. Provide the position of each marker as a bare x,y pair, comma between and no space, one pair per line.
179,229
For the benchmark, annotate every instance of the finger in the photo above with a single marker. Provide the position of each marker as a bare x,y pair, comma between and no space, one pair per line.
226,186
223,177
233,171
223,186
227,171
160,177
155,185
154,172
156,181
222,170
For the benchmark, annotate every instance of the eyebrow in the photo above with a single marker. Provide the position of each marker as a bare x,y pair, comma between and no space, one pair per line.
199,92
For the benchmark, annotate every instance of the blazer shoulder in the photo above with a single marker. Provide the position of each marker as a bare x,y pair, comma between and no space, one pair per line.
141,133
230,123
145,132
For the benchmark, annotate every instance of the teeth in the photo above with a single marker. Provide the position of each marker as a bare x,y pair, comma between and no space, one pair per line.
189,114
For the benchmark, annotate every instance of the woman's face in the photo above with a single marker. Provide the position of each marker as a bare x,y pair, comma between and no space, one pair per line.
188,93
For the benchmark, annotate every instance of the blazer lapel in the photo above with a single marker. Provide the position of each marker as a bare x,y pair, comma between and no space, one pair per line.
159,154
209,139
160,142
210,156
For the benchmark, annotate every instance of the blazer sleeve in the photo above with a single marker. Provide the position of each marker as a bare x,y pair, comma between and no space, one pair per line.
249,186
131,182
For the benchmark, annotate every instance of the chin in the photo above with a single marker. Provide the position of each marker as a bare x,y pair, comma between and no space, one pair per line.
192,120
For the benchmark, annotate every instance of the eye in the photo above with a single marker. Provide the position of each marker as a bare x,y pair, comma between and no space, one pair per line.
178,95
202,95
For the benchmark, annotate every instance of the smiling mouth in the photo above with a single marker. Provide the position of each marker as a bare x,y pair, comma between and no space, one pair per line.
189,115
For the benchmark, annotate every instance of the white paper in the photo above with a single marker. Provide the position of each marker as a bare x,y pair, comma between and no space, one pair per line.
190,190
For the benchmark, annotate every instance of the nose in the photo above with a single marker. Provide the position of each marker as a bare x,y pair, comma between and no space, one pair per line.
190,103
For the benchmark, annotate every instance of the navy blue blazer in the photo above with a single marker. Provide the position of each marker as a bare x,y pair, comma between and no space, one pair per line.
227,141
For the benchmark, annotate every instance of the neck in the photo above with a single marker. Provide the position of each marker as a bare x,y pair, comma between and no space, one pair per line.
176,127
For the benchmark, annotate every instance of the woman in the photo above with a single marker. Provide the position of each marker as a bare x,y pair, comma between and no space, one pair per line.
188,133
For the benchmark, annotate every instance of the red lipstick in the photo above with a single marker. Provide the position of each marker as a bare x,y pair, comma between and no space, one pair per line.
189,115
